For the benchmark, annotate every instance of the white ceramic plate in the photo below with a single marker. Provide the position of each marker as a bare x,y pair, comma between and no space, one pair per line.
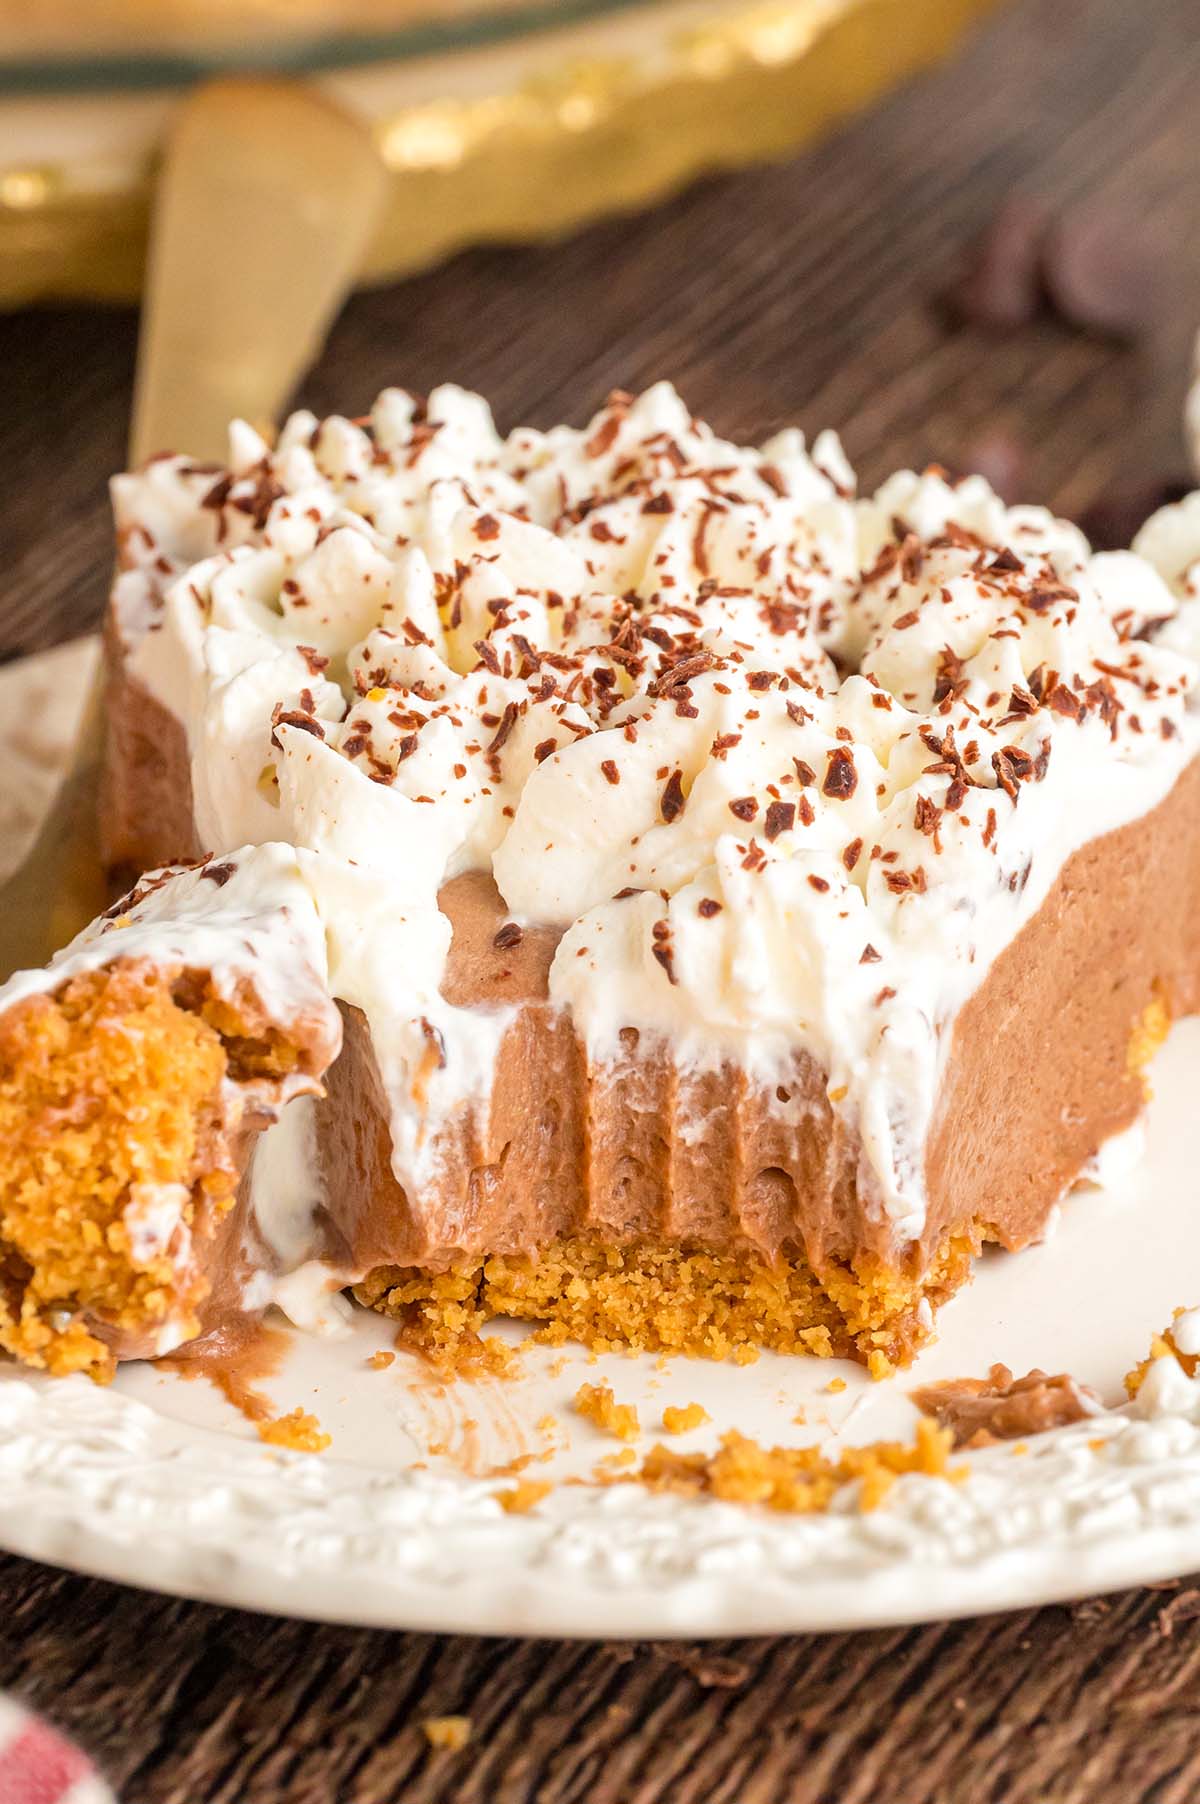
160,1482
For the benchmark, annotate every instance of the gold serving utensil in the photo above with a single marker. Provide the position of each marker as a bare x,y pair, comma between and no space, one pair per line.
264,213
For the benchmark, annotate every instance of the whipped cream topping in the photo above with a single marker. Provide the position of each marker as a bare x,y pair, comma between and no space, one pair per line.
246,918
788,767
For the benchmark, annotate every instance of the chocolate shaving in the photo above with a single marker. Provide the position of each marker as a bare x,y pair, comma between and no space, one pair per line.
699,548
218,494
780,818
1012,766
1042,597
950,681
1061,700
292,717
259,502
912,558
661,933
841,778
678,675
659,504
508,721
672,801
602,439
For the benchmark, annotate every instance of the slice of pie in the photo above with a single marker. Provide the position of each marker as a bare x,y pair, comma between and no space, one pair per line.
744,900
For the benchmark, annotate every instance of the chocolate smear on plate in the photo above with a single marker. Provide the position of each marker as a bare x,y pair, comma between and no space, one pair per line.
981,1411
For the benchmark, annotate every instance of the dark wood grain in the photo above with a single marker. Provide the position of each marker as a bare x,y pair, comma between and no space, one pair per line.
183,1704
805,292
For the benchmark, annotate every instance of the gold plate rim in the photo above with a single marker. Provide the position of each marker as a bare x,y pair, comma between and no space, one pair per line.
522,140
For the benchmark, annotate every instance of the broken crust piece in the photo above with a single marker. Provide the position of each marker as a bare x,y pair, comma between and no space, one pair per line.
135,1075
754,899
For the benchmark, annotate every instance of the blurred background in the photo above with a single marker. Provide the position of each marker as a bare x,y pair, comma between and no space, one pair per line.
819,211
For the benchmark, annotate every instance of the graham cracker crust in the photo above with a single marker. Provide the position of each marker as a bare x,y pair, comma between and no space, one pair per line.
659,1297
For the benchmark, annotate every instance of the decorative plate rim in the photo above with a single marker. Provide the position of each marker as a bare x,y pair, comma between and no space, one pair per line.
103,1484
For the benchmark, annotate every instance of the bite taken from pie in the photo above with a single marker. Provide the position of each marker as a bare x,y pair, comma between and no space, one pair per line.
634,884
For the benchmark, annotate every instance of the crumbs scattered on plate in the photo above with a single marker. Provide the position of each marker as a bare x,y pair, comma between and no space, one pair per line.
297,1431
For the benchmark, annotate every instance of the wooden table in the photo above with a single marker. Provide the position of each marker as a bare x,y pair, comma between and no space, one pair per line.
804,293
